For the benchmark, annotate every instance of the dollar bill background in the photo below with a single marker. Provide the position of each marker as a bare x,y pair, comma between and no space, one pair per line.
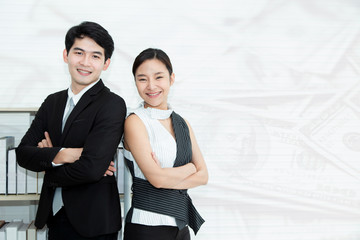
271,88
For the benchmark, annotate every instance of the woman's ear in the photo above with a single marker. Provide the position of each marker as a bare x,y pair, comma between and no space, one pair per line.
172,79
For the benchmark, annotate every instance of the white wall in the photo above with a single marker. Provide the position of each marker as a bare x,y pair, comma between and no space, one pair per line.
271,88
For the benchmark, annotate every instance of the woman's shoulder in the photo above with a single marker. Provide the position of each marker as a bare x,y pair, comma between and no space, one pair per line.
135,118
134,127
135,111
132,118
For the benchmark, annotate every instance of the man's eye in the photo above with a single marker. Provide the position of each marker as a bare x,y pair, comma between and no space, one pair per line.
96,56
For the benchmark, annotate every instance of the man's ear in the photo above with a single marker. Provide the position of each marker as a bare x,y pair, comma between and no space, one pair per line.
65,57
106,65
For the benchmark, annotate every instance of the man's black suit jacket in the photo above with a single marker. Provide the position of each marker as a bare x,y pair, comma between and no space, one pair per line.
96,124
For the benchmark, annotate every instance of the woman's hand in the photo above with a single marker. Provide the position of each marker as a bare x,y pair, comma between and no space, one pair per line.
156,160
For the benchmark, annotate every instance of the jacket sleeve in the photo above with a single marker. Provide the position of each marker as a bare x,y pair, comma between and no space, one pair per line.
28,155
98,151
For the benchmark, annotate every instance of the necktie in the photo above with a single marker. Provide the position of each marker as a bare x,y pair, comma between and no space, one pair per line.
57,202
71,107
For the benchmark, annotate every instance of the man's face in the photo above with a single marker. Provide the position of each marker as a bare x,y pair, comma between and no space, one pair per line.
86,61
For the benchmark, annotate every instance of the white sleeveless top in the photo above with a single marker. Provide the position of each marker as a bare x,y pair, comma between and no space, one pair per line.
164,146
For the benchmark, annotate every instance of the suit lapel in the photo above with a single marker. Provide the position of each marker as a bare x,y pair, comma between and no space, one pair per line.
57,112
84,101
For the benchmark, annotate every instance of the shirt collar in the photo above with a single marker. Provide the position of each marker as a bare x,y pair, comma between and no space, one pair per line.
157,113
77,97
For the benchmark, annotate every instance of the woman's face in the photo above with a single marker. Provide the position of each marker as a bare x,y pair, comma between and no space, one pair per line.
153,83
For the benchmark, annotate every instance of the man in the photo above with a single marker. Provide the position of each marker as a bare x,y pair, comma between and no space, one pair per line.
78,201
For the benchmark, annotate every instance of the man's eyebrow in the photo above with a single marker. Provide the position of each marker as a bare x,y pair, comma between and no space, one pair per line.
79,49
82,50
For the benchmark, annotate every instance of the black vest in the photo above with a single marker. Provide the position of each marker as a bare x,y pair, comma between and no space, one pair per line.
171,202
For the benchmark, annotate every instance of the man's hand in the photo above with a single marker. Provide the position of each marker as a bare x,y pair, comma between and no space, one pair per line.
45,142
67,155
110,171
70,155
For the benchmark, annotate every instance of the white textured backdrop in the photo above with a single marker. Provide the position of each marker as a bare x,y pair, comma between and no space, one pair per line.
271,88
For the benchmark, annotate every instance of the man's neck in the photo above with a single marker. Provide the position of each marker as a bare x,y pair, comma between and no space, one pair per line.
76,88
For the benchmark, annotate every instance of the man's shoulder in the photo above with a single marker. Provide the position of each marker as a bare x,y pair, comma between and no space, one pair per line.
112,97
56,95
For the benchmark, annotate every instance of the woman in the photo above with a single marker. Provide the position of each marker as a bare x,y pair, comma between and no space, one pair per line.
163,157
